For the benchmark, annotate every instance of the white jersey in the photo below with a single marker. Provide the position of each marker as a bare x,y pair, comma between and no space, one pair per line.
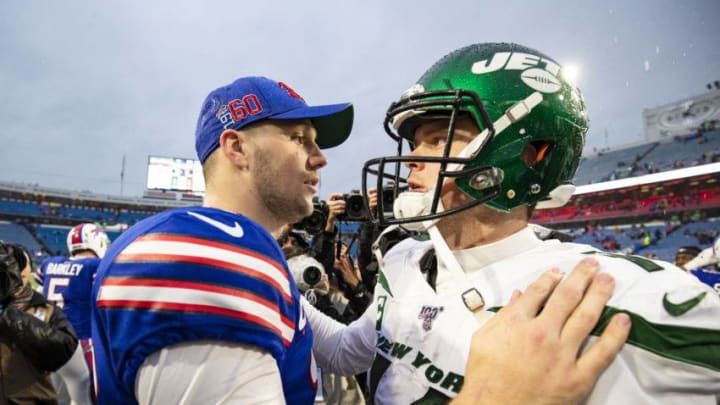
423,334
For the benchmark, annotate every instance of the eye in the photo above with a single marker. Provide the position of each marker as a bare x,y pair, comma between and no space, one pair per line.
437,140
433,141
298,137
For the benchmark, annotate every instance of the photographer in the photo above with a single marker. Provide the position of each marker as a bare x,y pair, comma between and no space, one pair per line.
289,240
312,281
369,232
351,281
323,246
35,336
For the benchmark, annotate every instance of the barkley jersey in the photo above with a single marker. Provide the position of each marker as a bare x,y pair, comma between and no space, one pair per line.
196,274
68,282
423,333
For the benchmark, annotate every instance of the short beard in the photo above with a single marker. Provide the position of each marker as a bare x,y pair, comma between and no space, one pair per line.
285,208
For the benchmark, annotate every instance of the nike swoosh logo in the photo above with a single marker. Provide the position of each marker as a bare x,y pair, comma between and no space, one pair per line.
682,307
235,230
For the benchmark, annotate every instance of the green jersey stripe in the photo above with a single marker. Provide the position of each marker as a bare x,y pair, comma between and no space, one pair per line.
697,346
382,280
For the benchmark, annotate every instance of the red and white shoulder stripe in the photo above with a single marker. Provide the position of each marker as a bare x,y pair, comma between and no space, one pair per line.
185,296
181,248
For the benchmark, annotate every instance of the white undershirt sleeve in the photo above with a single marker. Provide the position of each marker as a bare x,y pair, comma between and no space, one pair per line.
341,349
209,372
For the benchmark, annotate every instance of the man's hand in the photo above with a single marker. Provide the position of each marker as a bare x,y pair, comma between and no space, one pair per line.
373,199
347,271
336,206
529,354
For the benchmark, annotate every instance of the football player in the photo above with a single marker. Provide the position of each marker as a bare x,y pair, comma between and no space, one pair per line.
197,305
494,131
685,254
704,266
67,281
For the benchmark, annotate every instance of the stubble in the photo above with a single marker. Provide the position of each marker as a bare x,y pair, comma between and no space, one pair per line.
283,204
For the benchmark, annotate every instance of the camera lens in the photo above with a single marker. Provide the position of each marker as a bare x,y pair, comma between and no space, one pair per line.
315,222
388,199
388,196
311,275
355,208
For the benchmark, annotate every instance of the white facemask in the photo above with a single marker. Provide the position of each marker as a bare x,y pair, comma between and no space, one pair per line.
410,204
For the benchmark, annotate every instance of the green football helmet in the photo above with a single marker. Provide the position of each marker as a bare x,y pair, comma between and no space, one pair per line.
532,121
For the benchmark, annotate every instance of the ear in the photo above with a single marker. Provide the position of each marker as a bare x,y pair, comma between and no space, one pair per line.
535,152
234,145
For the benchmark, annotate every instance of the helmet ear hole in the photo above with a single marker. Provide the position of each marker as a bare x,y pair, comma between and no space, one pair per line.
535,152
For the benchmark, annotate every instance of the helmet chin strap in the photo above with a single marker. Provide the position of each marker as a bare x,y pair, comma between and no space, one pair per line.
409,204
444,254
558,197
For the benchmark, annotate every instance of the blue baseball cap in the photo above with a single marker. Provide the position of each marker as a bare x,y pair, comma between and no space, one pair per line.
251,99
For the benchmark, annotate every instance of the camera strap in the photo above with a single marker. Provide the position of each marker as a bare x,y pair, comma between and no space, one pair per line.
393,235
428,267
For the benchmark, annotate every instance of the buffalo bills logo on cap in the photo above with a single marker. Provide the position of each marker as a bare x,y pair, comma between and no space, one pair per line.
291,92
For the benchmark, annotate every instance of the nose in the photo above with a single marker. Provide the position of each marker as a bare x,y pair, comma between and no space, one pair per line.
317,159
414,164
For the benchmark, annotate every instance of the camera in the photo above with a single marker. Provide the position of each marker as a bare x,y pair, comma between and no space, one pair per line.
388,196
355,204
315,222
354,207
311,275
306,271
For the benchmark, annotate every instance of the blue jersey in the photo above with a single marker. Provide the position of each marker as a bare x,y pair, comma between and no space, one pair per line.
68,282
196,274
709,277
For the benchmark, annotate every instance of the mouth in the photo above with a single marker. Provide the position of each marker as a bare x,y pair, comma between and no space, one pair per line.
416,187
312,184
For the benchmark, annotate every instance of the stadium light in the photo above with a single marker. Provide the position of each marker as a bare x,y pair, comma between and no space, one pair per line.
571,72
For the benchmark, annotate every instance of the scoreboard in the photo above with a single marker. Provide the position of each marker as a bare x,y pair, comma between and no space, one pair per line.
175,174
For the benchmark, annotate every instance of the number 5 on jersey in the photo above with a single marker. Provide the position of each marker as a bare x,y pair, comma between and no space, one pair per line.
56,289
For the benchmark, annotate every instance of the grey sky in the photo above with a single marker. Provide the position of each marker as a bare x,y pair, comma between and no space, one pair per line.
84,82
